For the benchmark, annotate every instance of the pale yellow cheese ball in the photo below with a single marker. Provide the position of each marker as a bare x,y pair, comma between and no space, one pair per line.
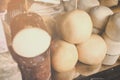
64,55
93,51
75,26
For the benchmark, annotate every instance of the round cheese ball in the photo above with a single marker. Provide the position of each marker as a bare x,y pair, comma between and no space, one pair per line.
93,51
75,26
31,42
64,56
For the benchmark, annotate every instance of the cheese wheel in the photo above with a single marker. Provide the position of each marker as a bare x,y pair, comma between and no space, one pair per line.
31,42
93,51
113,27
75,26
86,5
64,56
99,16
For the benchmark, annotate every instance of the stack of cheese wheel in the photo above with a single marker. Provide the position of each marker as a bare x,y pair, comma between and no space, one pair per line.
73,29
112,39
30,46
76,43
100,15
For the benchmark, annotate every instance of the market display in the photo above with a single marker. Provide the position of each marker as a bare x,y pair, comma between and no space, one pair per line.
58,39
